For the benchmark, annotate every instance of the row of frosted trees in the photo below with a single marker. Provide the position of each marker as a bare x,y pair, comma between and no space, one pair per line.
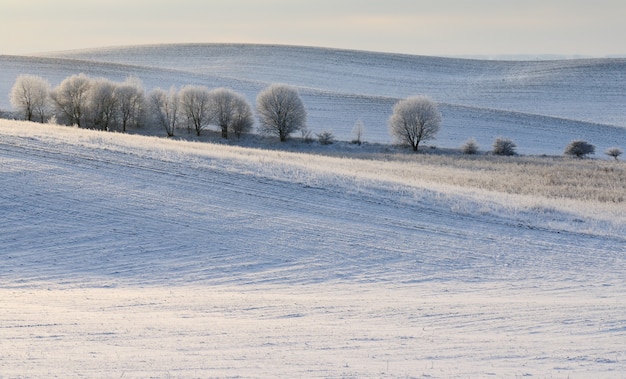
103,104
80,100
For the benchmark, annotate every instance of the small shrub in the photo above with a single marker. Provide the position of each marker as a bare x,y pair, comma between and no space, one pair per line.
357,131
470,147
52,120
307,137
579,149
326,138
614,152
504,146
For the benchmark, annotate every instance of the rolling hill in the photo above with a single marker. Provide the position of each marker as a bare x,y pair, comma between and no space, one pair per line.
134,256
139,256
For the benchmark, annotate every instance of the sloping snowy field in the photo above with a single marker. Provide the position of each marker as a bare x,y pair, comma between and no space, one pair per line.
131,257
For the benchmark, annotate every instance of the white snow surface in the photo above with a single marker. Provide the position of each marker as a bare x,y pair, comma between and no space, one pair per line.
126,256
141,257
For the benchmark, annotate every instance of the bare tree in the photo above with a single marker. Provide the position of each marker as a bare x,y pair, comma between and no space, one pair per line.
30,96
195,104
614,152
164,107
414,120
102,103
131,102
579,148
70,98
281,111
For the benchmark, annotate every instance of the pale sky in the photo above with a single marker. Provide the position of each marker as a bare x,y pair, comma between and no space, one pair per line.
424,27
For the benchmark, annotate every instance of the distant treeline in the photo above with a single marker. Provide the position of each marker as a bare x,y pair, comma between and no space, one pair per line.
99,103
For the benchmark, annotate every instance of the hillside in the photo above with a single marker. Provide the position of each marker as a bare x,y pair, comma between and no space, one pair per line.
132,194
130,256
543,104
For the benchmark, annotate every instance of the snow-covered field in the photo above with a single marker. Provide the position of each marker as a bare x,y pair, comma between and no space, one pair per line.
129,256
125,256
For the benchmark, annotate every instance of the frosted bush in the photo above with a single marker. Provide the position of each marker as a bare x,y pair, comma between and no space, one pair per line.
579,149
504,146
326,138
470,147
614,152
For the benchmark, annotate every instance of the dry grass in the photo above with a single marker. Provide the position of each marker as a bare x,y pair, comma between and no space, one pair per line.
549,177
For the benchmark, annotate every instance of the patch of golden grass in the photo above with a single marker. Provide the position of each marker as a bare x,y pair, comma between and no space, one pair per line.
550,177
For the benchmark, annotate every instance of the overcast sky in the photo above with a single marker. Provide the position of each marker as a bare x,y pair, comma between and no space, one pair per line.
425,27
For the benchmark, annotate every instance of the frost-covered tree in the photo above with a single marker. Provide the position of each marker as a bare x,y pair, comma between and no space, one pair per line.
243,119
504,146
231,111
164,106
71,98
414,120
29,96
222,108
614,152
579,148
102,103
281,111
131,101
195,104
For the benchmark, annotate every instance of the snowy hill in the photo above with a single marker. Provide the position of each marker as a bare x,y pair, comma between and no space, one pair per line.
128,256
131,256
543,105
143,195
